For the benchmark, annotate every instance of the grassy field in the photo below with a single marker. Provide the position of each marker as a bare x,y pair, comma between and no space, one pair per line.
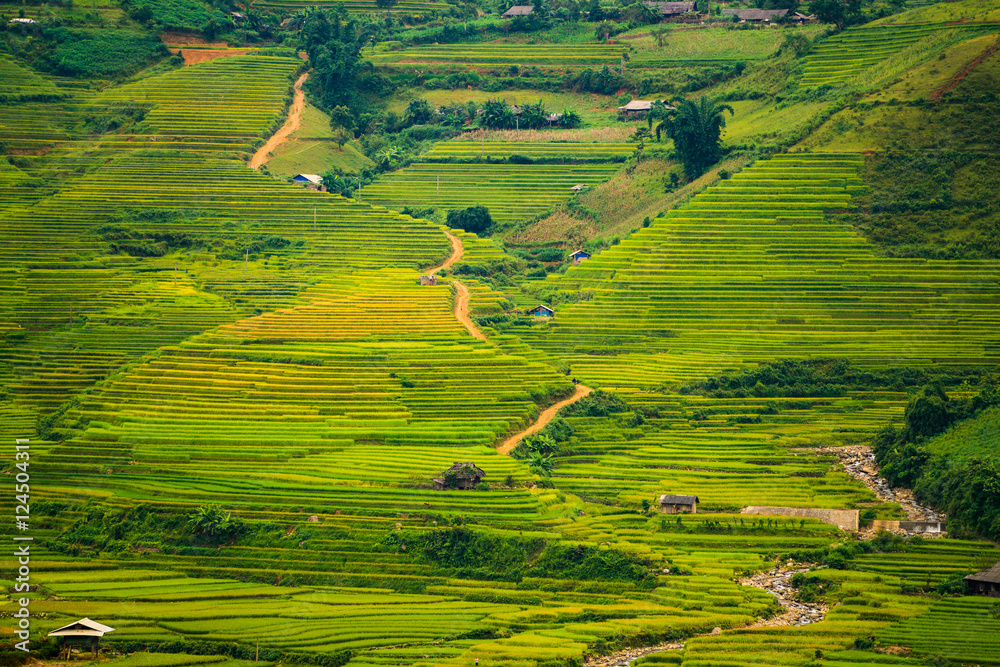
312,149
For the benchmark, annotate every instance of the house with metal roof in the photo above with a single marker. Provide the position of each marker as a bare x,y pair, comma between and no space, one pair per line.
83,632
986,582
671,503
672,9
541,310
755,15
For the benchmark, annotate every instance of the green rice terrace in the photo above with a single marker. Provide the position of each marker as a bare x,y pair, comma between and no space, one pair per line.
506,377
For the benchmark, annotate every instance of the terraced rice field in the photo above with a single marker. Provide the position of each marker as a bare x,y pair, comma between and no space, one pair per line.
838,59
18,82
358,6
223,104
315,388
751,271
536,150
572,56
509,191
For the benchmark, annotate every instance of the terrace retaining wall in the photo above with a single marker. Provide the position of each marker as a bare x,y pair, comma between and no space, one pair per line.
911,526
843,519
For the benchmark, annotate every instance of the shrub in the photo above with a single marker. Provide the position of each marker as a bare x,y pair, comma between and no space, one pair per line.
475,219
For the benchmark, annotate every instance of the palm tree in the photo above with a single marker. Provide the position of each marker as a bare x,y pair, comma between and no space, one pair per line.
696,128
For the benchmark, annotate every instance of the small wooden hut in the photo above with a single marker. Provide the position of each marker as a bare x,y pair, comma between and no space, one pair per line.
986,582
676,504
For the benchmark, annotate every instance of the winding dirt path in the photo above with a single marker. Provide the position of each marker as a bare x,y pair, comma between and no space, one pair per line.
462,296
543,419
291,124
462,315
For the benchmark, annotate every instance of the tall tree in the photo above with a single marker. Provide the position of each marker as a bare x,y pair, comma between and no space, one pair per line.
838,12
696,128
333,41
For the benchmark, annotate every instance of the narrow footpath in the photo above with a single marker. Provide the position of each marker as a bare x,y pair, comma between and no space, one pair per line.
291,124
462,292
543,419
462,315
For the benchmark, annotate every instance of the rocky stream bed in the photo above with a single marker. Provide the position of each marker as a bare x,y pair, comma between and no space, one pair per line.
859,463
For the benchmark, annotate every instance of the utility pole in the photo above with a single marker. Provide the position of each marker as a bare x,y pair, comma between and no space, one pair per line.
359,188
71,313
439,185
246,264
175,275
314,218
256,657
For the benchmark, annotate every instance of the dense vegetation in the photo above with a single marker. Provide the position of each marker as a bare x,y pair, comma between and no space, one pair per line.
966,485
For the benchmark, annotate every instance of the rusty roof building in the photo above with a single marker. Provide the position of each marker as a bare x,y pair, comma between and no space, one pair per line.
986,582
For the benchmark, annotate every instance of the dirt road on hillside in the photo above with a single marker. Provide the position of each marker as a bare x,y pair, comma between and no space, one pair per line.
462,315
291,124
543,419
462,292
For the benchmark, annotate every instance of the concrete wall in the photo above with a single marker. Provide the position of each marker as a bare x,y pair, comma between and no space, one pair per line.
911,526
843,519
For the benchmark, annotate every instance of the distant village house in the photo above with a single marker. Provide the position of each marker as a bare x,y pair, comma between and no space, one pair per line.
517,10
672,10
311,181
986,582
756,15
638,108
579,256
459,476
678,504
428,280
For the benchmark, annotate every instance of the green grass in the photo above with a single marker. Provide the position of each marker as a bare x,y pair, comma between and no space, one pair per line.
312,150
978,437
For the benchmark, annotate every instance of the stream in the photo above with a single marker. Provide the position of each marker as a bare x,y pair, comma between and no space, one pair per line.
859,463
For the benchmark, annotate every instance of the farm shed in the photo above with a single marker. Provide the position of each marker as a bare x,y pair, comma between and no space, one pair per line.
675,504
83,632
672,9
517,10
636,107
579,187
20,20
541,310
800,18
755,15
428,280
986,582
579,256
463,476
